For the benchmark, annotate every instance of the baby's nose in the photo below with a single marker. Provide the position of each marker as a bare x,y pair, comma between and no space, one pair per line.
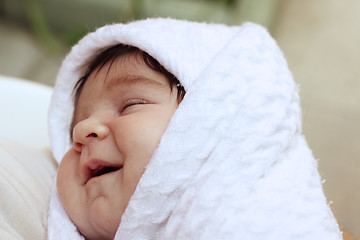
88,130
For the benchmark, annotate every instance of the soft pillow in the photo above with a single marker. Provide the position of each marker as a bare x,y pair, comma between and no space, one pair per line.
26,178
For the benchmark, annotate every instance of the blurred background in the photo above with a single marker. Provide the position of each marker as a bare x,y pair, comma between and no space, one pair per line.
320,40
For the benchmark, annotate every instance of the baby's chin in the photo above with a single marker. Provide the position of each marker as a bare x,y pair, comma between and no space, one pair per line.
102,223
92,233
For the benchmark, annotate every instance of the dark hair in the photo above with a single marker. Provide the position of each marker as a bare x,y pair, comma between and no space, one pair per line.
109,55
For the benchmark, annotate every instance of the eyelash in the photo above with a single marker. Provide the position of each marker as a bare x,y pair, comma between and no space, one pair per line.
131,102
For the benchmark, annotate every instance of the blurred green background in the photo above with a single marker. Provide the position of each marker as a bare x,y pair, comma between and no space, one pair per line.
57,22
320,40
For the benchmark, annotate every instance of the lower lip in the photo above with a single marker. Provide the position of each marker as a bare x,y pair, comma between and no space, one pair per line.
100,176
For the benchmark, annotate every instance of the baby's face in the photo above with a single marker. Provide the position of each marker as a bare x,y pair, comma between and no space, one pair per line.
120,117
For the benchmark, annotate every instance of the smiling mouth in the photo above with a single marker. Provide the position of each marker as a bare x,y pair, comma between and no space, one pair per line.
100,170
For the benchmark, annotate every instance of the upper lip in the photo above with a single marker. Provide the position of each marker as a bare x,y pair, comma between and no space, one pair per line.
95,168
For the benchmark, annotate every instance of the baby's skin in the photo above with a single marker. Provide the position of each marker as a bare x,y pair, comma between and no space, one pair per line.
120,116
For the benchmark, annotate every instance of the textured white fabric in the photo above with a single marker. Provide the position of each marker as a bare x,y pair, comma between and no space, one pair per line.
26,176
232,163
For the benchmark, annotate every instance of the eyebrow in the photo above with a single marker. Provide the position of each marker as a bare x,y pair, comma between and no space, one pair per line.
131,80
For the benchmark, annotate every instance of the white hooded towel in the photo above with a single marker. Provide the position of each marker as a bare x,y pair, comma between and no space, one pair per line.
232,163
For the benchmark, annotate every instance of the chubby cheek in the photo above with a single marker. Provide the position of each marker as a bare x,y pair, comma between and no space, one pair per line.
68,179
142,139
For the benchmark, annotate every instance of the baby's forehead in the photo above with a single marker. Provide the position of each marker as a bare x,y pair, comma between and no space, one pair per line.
129,69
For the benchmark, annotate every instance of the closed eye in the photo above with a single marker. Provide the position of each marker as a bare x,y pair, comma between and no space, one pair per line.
132,102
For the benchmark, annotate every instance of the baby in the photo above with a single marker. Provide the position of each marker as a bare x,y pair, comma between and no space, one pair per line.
144,161
123,104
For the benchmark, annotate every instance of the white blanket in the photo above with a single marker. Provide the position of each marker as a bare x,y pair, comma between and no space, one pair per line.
232,163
